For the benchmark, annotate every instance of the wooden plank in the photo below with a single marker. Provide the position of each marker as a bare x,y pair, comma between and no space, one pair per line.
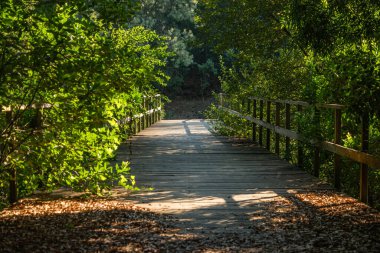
337,140
282,131
287,126
261,113
355,155
277,122
363,166
13,193
268,121
299,143
208,182
26,107
292,102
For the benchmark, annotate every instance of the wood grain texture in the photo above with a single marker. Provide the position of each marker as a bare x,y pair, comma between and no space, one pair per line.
208,182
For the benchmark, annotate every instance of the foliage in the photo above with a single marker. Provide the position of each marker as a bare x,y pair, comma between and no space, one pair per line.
93,73
191,65
317,51
259,55
343,38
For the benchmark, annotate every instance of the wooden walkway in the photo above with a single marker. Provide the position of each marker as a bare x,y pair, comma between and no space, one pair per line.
209,183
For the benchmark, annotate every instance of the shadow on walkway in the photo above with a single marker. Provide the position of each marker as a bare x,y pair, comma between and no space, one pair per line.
241,197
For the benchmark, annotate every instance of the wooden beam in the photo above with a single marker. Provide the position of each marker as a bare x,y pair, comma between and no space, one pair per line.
268,121
278,120
254,115
287,126
364,166
299,144
261,126
337,158
355,155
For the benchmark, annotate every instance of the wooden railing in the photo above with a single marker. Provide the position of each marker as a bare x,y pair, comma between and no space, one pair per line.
151,107
254,107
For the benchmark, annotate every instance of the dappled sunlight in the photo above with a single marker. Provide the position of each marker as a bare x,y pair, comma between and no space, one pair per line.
176,128
219,187
91,225
257,198
337,205
180,205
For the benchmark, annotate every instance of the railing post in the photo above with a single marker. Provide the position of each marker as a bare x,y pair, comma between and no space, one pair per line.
157,105
269,121
254,115
337,159
147,111
12,172
364,167
249,109
132,123
277,141
317,150
150,113
160,105
299,143
144,114
261,118
287,126
154,110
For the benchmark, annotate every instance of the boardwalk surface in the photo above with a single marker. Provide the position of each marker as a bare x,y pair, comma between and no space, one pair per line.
221,196
212,184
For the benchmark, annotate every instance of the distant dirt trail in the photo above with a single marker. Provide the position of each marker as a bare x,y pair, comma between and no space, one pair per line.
181,108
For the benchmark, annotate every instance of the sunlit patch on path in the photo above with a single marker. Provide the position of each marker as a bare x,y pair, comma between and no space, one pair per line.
211,194
217,187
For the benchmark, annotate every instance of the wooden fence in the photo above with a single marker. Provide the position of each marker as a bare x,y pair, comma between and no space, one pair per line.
254,107
151,108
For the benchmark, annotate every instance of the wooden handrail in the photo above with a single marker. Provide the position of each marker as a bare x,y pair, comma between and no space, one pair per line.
366,160
150,115
26,107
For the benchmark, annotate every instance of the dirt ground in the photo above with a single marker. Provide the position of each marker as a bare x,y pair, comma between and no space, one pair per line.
75,224
185,108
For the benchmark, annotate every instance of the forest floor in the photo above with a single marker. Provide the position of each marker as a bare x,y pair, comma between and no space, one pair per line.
44,223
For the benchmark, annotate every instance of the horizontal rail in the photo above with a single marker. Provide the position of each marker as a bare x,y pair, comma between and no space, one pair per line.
355,155
257,104
44,105
141,115
26,107
302,103
277,129
152,106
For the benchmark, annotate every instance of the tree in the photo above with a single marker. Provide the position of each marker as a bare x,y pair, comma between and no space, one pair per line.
191,65
258,49
93,73
343,38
